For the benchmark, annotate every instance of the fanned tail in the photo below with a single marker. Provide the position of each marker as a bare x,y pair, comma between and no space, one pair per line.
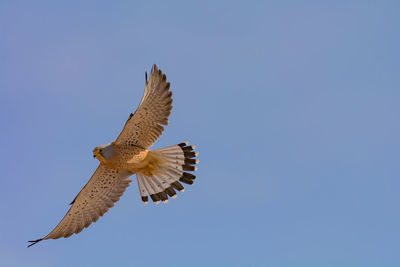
173,166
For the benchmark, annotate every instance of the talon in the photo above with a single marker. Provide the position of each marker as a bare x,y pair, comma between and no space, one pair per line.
151,166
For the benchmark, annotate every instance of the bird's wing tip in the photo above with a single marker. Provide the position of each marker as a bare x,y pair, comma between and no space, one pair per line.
34,242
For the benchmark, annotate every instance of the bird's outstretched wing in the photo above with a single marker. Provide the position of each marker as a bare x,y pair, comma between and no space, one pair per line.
144,127
104,188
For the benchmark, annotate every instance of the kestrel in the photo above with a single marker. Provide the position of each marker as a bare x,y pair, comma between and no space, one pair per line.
158,172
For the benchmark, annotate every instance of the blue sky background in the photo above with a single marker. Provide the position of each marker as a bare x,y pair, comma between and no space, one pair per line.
293,105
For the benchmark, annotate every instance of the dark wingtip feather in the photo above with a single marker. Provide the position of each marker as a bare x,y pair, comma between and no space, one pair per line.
34,242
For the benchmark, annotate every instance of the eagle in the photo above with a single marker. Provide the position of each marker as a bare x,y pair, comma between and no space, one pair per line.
158,172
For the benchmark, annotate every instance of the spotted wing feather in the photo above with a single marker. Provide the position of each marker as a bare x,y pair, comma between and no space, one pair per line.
104,188
145,126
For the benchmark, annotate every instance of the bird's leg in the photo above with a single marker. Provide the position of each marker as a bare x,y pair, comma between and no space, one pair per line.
146,170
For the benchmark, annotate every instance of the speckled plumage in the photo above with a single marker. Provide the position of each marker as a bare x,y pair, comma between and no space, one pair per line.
159,172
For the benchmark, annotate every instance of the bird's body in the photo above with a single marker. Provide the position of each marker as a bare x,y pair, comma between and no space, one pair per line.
123,157
127,158
158,172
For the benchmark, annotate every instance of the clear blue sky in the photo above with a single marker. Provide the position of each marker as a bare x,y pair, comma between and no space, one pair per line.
293,105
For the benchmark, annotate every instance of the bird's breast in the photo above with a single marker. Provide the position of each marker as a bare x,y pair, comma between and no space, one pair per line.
128,157
139,158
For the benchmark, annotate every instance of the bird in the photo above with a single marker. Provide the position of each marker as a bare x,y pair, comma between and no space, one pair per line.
158,172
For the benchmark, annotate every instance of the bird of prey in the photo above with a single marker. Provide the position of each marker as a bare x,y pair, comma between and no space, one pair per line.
158,172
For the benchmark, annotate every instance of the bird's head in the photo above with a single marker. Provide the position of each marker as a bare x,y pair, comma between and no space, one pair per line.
103,152
97,152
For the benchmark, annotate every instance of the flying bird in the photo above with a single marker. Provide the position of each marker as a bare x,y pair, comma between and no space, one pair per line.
158,172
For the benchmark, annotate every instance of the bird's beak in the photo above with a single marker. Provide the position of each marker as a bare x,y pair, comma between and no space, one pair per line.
94,156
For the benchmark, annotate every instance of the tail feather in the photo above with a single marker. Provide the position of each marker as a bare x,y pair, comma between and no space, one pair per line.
166,176
178,186
187,178
142,188
171,192
169,149
172,165
174,172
